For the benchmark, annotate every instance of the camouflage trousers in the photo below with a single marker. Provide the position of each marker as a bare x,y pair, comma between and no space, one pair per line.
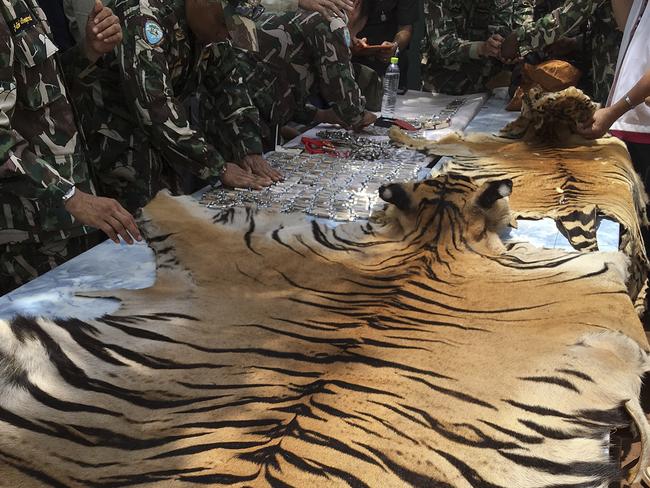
22,262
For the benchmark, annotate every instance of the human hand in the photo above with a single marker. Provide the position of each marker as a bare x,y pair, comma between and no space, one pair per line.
328,116
355,20
358,46
368,118
509,48
388,51
598,125
235,177
257,165
104,214
491,47
103,32
328,8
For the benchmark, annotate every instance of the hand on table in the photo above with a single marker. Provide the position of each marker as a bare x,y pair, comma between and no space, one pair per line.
103,32
104,214
368,119
328,8
235,177
258,166
599,124
328,116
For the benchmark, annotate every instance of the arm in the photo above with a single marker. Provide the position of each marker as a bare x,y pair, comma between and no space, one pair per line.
146,83
403,36
49,187
147,87
102,34
441,21
621,10
604,118
564,21
331,58
233,122
407,15
15,155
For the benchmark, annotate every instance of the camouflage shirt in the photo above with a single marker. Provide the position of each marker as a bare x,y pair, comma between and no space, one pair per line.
301,54
41,153
573,17
456,29
156,69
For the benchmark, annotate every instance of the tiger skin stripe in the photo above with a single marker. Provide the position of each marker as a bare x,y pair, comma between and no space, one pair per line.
415,350
575,185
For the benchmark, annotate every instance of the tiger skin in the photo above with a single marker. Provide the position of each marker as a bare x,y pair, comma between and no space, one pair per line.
415,350
575,183
551,118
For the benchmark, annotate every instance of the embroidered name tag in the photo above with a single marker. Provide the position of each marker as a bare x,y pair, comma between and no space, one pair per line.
21,23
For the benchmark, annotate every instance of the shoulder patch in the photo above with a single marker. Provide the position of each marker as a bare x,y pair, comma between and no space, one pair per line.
21,23
153,33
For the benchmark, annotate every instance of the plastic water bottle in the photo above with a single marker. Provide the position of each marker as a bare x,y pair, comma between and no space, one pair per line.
391,83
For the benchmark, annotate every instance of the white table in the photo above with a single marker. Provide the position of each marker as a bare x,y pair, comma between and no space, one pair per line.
110,266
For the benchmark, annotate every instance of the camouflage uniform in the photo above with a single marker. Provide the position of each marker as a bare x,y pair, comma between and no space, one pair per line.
595,17
300,55
455,30
133,105
41,155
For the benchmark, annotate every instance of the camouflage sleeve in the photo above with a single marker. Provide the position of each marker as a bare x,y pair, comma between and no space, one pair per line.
233,122
145,80
15,156
332,59
74,62
524,13
442,19
564,21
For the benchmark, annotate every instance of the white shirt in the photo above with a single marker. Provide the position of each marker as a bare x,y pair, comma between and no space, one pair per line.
633,63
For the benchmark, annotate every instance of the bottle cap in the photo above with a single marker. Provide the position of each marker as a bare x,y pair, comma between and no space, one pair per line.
394,60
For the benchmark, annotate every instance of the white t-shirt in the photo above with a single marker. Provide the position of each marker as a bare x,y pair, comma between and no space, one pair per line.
633,63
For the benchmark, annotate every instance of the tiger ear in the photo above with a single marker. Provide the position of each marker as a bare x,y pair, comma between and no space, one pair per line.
494,191
397,195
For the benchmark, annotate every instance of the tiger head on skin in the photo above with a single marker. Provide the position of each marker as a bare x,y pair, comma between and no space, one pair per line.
450,207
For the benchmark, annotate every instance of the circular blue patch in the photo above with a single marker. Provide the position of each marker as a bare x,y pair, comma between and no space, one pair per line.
153,33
